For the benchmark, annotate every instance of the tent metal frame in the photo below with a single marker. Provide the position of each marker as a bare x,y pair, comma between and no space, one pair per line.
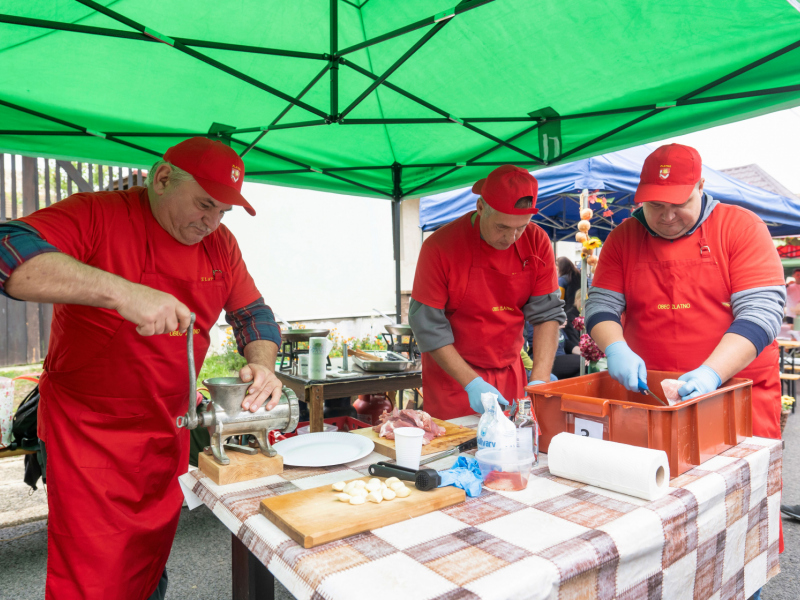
334,60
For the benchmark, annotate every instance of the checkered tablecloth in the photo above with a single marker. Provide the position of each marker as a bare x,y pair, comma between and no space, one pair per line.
714,536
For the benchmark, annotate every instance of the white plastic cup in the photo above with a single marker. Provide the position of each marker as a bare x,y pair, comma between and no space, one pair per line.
302,362
408,446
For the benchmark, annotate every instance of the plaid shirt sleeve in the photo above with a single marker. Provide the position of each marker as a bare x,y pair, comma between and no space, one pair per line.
253,322
18,242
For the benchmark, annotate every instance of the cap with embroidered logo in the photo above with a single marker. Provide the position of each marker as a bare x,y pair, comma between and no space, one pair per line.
215,167
669,175
503,188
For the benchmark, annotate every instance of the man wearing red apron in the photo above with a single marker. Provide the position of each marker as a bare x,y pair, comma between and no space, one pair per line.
125,270
478,280
700,285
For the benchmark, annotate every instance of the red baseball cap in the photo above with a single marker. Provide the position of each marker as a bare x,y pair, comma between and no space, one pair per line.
669,175
215,166
505,186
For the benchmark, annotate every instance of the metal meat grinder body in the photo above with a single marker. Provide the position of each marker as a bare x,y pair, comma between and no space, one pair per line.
223,414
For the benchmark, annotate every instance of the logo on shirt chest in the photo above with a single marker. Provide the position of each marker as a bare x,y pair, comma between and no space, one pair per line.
179,334
501,308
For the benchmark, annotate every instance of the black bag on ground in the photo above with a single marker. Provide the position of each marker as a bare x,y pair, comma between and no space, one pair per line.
23,436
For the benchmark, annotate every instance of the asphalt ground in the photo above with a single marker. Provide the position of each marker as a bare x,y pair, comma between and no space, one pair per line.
200,563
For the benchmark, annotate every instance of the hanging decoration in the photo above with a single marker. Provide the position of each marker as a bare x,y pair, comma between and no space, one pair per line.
590,244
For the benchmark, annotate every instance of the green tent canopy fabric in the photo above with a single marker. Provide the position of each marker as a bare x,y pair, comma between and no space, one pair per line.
385,98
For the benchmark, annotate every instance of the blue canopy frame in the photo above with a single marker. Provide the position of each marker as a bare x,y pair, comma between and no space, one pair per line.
615,176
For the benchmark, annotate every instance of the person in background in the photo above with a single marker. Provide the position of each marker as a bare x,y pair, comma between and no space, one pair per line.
792,297
569,280
567,360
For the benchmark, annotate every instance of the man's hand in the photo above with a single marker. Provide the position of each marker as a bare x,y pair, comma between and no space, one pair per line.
266,386
153,312
478,386
698,382
625,366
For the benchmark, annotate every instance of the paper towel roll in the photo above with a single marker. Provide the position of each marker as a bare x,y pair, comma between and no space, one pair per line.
630,470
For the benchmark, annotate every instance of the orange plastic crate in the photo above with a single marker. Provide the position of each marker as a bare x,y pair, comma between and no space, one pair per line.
690,432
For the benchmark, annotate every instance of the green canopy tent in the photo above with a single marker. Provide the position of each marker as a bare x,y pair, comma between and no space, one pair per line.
384,98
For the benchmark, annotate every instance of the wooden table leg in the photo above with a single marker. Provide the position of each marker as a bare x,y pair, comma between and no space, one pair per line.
251,579
315,408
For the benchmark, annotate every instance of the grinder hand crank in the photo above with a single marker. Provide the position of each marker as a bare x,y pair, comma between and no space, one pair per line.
223,414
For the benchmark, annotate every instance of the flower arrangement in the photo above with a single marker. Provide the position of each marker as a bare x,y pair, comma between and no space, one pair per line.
787,402
588,347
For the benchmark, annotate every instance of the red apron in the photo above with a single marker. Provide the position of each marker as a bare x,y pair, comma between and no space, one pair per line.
113,450
677,312
487,327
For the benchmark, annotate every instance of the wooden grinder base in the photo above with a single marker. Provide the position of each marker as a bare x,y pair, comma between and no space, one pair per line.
243,467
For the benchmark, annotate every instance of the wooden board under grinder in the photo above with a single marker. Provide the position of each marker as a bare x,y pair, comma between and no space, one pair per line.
314,517
243,467
454,435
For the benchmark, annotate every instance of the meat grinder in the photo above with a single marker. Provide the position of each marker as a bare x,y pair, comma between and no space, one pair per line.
223,414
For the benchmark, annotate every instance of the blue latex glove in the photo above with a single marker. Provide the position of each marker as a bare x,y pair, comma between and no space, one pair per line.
698,382
464,474
625,366
478,386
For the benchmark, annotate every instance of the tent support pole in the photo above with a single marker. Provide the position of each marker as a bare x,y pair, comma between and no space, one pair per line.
334,4
77,127
397,195
445,114
397,64
181,47
140,37
311,84
584,276
462,7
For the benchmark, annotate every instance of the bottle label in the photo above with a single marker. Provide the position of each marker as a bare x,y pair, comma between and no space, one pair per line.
525,438
365,418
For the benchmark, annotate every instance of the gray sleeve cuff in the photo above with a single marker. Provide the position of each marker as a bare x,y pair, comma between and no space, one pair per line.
762,306
430,326
540,309
604,301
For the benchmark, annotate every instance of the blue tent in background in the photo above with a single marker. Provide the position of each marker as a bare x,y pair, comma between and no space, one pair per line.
616,176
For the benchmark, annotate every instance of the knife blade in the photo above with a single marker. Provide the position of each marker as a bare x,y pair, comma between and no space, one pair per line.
468,445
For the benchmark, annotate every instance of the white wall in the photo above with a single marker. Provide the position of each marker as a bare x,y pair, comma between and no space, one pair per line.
315,255
410,242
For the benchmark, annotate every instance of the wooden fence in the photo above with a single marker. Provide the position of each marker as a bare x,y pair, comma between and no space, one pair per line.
26,185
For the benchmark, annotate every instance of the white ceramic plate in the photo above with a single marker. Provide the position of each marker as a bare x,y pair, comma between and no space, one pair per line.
323,449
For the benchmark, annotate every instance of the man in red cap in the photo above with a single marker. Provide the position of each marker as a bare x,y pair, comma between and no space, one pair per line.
701,286
124,270
478,280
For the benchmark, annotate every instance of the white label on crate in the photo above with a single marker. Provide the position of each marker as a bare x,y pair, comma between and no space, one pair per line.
587,428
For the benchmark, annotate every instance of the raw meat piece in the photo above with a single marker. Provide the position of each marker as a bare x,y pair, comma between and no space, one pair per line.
389,421
671,387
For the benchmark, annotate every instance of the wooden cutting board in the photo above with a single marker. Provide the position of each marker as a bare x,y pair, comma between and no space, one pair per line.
454,435
314,517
